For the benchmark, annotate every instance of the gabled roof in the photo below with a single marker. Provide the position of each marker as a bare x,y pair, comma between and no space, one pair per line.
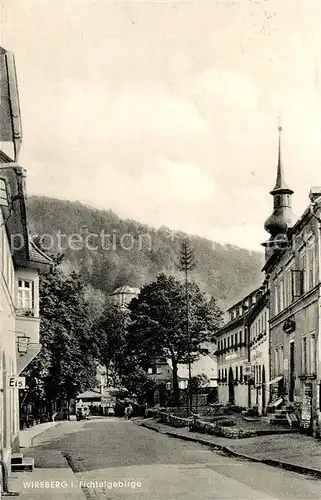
89,395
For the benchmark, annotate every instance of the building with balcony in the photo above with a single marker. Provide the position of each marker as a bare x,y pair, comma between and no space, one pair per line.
232,353
20,263
292,266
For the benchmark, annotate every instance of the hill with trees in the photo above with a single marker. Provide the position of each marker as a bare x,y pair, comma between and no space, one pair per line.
109,252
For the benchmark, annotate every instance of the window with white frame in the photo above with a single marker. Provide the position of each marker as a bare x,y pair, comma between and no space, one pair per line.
25,295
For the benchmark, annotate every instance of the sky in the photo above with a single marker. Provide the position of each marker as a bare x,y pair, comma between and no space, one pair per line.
167,111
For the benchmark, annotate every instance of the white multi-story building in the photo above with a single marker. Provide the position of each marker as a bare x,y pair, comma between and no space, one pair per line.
20,263
232,353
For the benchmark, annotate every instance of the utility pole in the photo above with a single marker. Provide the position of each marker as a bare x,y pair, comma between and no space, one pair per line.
186,263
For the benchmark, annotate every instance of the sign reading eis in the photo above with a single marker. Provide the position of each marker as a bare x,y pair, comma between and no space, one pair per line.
19,382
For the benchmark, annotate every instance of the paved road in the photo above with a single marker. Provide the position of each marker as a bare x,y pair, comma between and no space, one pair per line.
119,451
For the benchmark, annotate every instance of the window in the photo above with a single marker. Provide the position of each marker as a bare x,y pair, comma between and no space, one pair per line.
311,268
240,336
225,375
25,295
281,293
158,370
281,359
150,371
275,298
235,339
237,373
304,355
276,361
312,354
260,374
241,373
297,283
4,195
225,343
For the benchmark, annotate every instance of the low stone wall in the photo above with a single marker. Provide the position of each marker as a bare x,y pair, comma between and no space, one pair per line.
173,421
217,429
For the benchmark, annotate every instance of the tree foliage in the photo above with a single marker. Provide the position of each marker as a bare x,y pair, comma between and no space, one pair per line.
66,363
158,322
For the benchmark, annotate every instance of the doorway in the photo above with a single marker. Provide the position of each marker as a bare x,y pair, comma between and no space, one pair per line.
292,372
231,393
263,389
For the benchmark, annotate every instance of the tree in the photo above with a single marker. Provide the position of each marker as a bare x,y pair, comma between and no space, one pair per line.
186,263
157,325
111,341
66,363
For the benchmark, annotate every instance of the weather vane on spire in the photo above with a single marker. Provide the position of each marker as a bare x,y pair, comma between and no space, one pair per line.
280,126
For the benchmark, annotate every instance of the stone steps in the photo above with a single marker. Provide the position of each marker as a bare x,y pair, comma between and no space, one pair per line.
19,463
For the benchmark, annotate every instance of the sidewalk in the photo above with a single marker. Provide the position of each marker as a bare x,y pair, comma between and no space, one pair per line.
45,483
26,436
296,452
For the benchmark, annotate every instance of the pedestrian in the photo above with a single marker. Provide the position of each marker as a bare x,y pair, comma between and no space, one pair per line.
128,411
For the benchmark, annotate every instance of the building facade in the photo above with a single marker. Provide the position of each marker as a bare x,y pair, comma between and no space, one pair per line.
232,353
293,269
259,348
20,263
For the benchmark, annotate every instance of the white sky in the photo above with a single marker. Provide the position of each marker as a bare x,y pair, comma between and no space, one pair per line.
167,112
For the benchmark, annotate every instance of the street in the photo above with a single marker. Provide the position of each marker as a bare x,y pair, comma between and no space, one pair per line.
147,465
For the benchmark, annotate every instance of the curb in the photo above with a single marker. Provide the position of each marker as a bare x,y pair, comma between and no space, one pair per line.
300,469
31,439
55,424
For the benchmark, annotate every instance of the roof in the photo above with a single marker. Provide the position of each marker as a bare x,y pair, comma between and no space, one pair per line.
36,255
89,395
257,308
4,158
126,290
242,300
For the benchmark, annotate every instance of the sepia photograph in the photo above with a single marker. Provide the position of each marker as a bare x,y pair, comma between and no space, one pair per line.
160,249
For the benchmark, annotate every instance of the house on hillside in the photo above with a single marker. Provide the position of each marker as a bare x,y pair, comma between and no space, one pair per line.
20,263
123,295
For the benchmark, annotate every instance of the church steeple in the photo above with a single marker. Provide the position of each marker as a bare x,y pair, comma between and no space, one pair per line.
282,217
280,184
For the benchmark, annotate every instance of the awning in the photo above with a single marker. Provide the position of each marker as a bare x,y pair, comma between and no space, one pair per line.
275,380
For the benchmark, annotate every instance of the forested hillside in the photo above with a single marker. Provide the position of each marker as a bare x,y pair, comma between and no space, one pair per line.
121,252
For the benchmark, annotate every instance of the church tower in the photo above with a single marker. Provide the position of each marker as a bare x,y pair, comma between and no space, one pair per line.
282,218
